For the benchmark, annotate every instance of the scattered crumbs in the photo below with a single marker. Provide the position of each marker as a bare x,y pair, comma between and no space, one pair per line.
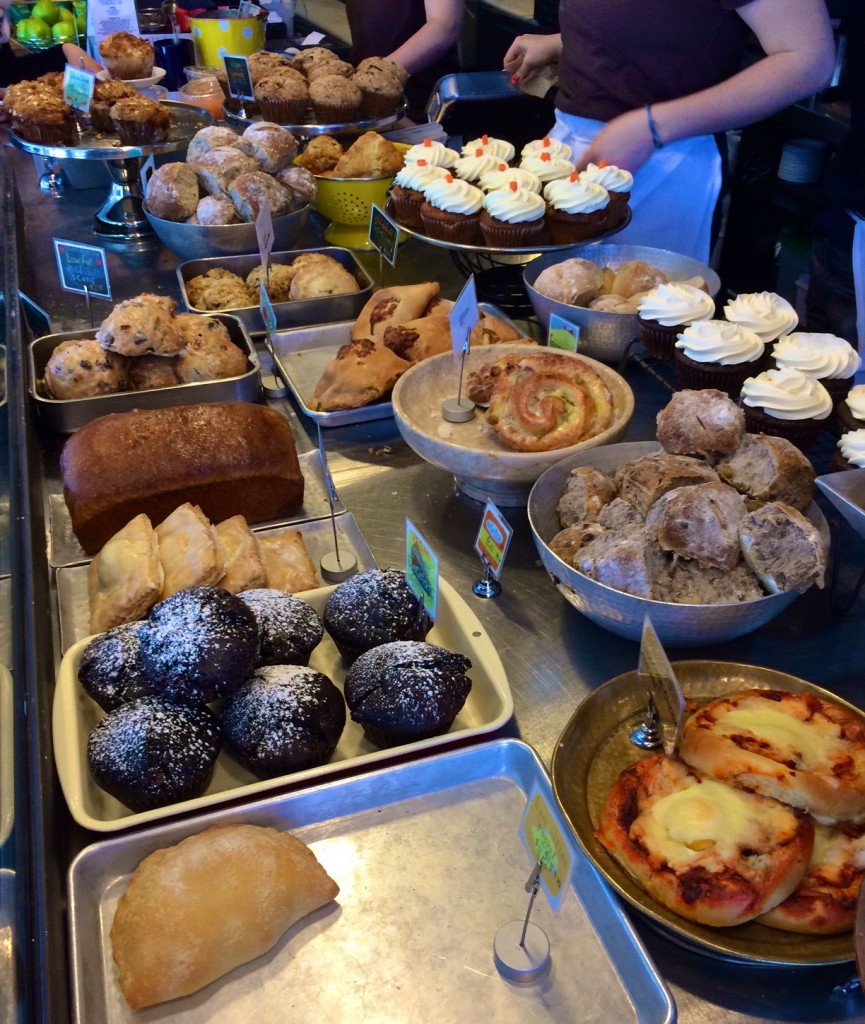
444,430
384,450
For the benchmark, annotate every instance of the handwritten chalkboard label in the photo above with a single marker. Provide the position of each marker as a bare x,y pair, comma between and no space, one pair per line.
82,268
239,78
383,234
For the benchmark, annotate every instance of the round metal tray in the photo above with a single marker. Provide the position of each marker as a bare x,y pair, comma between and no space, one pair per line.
589,756
493,251
231,109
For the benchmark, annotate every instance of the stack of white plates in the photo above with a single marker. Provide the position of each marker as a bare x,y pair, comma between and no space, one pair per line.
802,161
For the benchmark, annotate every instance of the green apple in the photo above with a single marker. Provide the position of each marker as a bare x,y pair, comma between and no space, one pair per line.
81,22
47,11
63,31
32,28
65,15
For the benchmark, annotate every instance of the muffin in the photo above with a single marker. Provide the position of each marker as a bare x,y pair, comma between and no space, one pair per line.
407,191
471,166
766,313
501,149
406,691
289,629
304,61
199,644
152,752
851,451
381,91
786,403
436,154
266,62
512,217
451,211
386,65
139,121
326,68
111,670
208,353
126,56
283,98
554,147
576,210
665,310
105,95
617,182
548,167
335,100
502,175
831,360
81,368
851,410
284,718
141,326
372,608
43,118
717,354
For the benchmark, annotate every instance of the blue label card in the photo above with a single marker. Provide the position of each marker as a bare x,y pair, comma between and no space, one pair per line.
383,234
493,539
82,268
464,316
78,86
546,845
264,233
266,308
563,334
239,78
147,168
421,569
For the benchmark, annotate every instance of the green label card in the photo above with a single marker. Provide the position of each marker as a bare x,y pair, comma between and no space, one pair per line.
78,86
421,569
545,842
493,538
563,334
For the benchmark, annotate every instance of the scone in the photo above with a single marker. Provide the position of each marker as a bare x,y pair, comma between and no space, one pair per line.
140,326
188,550
316,281
241,556
219,289
82,368
209,353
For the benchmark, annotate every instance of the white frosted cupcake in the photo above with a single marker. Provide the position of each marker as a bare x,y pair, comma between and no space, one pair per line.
717,354
548,167
768,314
501,149
617,182
436,154
851,450
473,165
576,209
786,403
546,145
666,310
851,410
451,211
832,360
512,217
502,176
407,191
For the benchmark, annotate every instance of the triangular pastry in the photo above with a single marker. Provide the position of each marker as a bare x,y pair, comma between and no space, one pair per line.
241,556
125,578
188,550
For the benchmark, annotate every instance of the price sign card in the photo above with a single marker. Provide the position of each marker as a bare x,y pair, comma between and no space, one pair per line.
657,674
563,334
82,268
78,86
464,316
266,308
493,538
546,846
421,569
239,78
264,232
383,234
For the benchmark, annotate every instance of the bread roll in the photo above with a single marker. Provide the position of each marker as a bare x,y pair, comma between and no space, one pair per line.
172,191
770,469
218,168
216,900
783,547
642,481
273,146
211,137
700,423
701,522
249,190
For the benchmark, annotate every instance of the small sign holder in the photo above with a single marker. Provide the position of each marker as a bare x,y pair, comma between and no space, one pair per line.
491,546
82,269
462,317
265,306
383,236
239,79
665,703
562,334
335,566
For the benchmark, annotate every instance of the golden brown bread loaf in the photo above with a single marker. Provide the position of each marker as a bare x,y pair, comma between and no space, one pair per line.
230,458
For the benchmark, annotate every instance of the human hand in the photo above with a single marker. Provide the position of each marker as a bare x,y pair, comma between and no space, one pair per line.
528,54
625,141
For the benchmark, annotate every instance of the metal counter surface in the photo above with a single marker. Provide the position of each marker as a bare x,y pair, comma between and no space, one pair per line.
553,656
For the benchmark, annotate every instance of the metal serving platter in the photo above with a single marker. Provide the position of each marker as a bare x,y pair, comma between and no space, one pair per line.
488,707
430,865
73,596
232,107
64,549
302,354
68,415
297,312
186,120
595,748
498,250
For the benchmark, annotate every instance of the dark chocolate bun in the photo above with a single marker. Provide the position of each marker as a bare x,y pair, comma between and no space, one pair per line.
288,628
406,691
111,669
375,607
152,752
283,719
199,644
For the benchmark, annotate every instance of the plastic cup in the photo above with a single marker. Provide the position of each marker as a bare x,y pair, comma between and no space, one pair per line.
203,92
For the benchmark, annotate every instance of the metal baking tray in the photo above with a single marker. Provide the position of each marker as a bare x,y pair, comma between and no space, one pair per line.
488,707
73,596
430,865
589,756
302,354
297,313
68,415
64,549
241,114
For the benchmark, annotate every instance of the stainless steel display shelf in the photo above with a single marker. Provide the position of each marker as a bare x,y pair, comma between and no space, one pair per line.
241,114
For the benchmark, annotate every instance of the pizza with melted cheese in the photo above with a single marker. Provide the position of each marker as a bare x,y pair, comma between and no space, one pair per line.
709,852
796,747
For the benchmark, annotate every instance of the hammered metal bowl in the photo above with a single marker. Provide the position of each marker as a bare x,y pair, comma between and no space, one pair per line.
677,625
605,336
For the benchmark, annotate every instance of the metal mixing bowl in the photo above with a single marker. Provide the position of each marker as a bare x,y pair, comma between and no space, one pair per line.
605,336
679,625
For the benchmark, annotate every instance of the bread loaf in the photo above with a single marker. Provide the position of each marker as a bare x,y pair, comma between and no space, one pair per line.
231,458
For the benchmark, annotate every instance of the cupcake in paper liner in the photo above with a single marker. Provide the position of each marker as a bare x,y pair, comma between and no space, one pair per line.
851,409
451,211
548,167
766,313
501,149
512,217
576,209
717,354
850,453
554,147
407,191
666,310
434,154
830,359
786,403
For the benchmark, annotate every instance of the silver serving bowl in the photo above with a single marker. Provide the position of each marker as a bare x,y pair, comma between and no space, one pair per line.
677,625
198,241
605,336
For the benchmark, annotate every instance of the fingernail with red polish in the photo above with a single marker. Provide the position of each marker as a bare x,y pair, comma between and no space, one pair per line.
516,80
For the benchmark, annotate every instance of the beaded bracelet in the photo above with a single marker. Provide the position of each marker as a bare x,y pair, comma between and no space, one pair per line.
653,128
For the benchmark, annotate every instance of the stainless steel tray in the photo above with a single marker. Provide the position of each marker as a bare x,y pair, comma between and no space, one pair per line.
297,313
465,86
429,862
64,549
488,707
67,415
302,355
231,111
73,598
846,491
589,756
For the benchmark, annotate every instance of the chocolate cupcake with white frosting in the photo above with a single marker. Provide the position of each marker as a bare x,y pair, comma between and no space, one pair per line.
407,191
786,403
576,209
512,217
618,182
666,310
851,451
851,410
501,149
554,147
767,314
435,154
451,211
717,354
826,357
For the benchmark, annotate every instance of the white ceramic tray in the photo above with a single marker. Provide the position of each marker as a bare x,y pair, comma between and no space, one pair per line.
488,707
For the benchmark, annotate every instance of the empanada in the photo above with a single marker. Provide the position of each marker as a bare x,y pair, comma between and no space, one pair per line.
286,561
361,372
419,339
188,550
125,578
241,556
389,307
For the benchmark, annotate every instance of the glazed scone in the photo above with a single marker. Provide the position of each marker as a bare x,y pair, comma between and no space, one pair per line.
209,352
172,191
82,368
213,211
218,168
241,556
248,191
272,146
219,289
188,551
140,326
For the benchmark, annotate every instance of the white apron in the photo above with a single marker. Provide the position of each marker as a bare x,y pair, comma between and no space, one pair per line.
674,194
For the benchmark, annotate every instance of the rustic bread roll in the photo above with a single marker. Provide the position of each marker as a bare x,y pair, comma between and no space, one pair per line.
300,181
700,522
172,191
586,492
626,562
700,423
635,276
211,137
218,168
783,547
575,281
769,469
273,146
213,211
642,481
248,191
684,582
230,458
216,900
